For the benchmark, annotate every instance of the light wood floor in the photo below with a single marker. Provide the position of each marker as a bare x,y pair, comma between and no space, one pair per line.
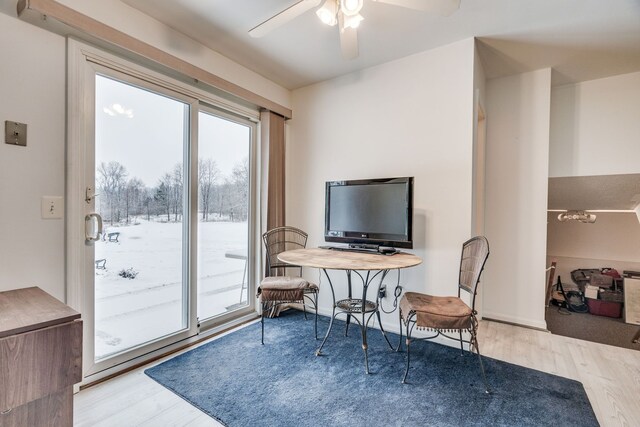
611,377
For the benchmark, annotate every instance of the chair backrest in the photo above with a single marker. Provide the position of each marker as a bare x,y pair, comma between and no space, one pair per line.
475,252
278,240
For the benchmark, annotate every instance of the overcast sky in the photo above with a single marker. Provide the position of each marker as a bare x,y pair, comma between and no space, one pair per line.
144,132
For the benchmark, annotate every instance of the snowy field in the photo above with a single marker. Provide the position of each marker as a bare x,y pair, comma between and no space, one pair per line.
130,312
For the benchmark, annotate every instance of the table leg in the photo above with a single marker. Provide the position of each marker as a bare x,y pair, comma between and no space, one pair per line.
346,329
384,334
366,281
363,326
364,343
378,303
333,314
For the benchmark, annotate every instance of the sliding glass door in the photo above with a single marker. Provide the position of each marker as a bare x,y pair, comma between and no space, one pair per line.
161,210
141,262
224,187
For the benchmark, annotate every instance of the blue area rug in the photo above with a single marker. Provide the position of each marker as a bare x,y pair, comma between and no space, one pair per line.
242,383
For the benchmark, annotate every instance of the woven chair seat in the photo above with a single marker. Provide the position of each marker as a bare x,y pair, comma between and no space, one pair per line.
434,312
280,286
444,315
284,288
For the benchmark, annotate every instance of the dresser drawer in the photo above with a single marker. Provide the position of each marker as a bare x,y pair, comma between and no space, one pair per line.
53,410
39,363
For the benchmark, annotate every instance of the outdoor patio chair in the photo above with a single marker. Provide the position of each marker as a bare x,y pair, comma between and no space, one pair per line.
280,286
443,315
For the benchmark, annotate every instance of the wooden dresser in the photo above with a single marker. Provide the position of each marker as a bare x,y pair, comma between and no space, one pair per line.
40,359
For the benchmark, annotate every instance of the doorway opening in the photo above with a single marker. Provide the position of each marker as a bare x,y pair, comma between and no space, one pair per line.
593,230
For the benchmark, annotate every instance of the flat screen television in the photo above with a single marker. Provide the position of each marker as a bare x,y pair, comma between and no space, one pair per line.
375,212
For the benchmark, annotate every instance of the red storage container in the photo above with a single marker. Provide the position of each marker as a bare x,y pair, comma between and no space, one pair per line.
604,308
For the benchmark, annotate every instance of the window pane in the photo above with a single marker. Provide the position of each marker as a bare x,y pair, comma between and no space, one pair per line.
139,288
223,212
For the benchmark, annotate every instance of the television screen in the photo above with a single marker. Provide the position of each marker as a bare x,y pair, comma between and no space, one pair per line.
373,211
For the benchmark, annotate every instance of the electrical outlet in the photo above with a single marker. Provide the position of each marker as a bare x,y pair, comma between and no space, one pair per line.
382,293
52,207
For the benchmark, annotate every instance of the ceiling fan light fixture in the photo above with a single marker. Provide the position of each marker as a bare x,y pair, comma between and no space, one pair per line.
350,7
353,21
327,13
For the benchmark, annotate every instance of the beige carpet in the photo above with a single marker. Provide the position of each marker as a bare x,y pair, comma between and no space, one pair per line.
584,326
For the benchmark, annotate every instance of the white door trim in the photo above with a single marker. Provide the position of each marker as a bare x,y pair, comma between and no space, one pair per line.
83,62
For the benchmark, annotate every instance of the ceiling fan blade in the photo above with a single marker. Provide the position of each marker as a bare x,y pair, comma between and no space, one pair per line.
440,7
348,39
283,17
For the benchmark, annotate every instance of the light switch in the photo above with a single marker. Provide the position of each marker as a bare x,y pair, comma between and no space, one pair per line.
52,207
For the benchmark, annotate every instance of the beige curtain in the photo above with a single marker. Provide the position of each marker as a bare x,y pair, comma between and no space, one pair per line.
273,181
272,171
273,161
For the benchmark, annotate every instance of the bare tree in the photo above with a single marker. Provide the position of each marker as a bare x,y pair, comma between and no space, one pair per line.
147,202
163,195
133,194
208,175
112,181
240,193
177,182
221,197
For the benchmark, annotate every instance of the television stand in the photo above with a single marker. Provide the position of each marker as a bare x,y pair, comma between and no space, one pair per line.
366,246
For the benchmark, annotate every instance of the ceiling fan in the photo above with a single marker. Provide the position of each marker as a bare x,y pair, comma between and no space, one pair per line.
346,14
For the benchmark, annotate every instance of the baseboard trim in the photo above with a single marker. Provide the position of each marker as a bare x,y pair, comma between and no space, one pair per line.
514,321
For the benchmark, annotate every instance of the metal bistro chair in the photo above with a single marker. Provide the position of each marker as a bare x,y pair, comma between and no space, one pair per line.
278,287
443,315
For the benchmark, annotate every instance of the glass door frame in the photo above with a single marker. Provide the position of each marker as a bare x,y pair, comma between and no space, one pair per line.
252,215
83,63
188,263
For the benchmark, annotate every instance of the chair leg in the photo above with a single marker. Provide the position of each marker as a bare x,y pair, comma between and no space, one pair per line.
474,339
406,372
262,323
304,309
461,343
315,326
400,323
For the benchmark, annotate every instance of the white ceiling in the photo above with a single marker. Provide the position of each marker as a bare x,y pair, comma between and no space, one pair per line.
580,39
603,192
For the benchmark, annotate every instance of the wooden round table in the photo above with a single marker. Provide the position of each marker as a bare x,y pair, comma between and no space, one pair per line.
348,260
372,264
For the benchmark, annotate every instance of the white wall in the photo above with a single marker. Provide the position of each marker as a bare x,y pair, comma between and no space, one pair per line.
595,127
410,117
479,145
135,23
32,91
479,77
518,109
479,160
612,241
614,236
594,131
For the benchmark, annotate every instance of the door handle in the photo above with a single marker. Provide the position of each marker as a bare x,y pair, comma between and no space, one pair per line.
91,233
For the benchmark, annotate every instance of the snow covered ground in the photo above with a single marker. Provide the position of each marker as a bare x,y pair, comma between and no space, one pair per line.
130,312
